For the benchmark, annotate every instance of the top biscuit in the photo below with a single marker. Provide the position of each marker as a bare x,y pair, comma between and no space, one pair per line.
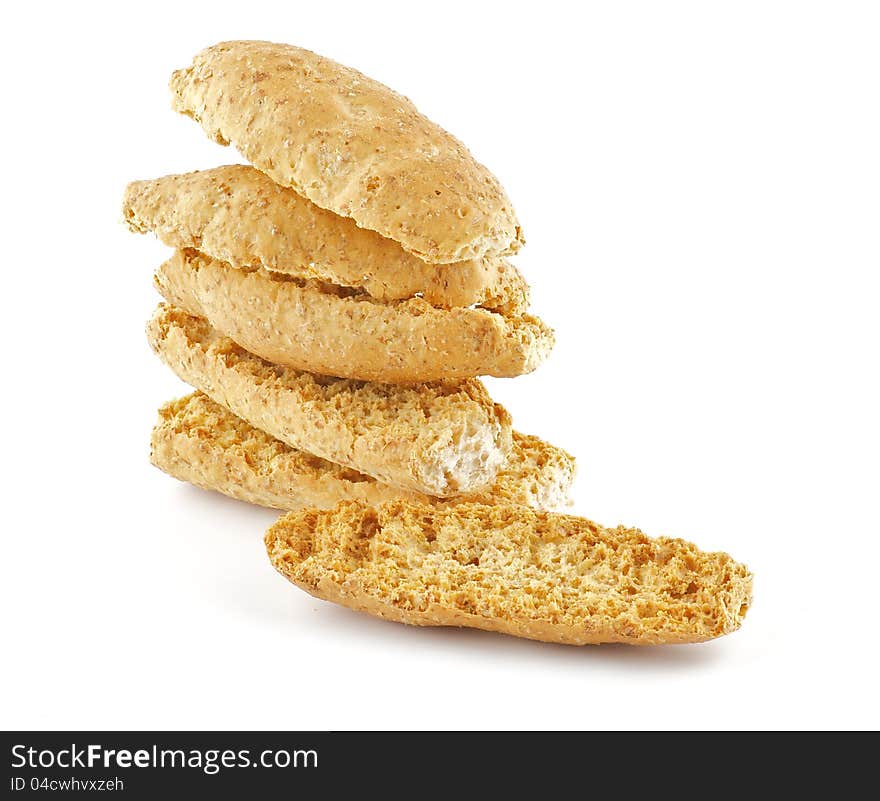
351,145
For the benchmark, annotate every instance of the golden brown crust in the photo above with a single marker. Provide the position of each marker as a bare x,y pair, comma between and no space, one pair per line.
324,329
444,438
238,215
202,442
506,568
350,145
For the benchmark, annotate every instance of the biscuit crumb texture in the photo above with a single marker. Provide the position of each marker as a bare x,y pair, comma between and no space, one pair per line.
200,441
441,438
351,145
324,328
539,575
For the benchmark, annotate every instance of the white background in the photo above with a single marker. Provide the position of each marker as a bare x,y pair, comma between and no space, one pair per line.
699,184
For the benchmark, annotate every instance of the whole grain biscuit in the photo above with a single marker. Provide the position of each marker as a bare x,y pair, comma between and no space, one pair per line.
510,569
351,145
442,438
238,215
202,442
323,328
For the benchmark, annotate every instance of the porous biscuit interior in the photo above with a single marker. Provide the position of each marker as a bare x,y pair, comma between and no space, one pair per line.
196,416
462,460
511,564
542,473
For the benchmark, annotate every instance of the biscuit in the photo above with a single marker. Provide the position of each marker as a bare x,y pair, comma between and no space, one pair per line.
510,569
322,328
238,215
351,145
202,442
443,438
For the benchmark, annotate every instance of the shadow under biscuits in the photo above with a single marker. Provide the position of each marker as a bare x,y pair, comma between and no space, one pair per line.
230,530
486,644
223,506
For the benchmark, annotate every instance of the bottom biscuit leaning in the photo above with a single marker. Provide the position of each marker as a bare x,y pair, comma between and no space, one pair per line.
202,442
509,569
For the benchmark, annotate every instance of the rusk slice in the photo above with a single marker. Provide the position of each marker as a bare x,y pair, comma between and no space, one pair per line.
325,329
238,215
443,438
350,145
202,442
510,569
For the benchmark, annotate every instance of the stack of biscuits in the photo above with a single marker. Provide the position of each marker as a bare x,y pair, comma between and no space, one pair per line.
333,306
